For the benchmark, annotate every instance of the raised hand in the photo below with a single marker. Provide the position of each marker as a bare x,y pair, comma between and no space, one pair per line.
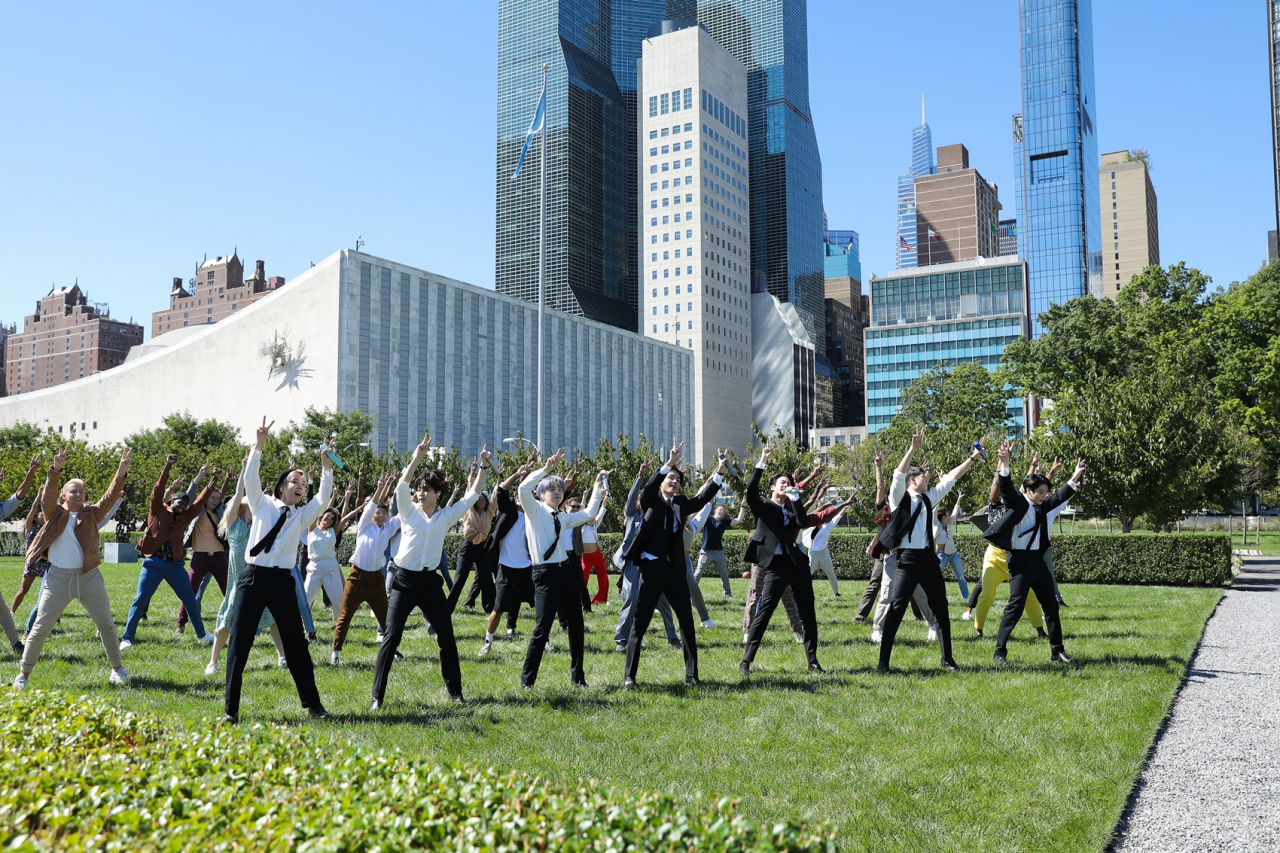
917,440
645,465
171,458
124,462
262,433
673,458
556,459
1005,454
603,475
424,445
60,459
766,452
878,458
486,458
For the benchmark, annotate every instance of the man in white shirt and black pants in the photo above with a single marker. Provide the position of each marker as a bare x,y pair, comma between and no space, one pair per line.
266,583
1023,531
415,570
910,534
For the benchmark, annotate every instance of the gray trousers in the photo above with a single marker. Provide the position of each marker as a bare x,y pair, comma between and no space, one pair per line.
695,593
717,559
882,606
823,559
627,615
61,587
6,622
753,595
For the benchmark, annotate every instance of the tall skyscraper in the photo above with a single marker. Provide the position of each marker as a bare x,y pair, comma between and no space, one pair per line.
921,164
1057,149
1273,39
696,221
957,211
1008,237
1130,219
772,40
846,321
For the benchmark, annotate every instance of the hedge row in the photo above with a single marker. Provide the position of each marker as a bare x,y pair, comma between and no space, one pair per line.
1182,559
89,776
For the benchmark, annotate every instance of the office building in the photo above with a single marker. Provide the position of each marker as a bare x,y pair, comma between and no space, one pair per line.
1056,147
1008,236
846,321
921,165
772,41
783,393
5,332
967,311
413,349
1130,221
217,290
68,338
957,212
1273,86
696,221
824,439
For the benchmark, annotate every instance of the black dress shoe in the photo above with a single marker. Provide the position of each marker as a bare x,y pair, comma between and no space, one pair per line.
744,668
1040,632
977,635
1061,603
950,665
581,684
816,668
883,669
692,681
375,706
628,683
858,620
318,713
674,643
456,698
228,720
1060,657
397,657
1000,659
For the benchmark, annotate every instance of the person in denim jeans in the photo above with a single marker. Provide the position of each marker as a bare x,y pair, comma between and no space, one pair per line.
946,542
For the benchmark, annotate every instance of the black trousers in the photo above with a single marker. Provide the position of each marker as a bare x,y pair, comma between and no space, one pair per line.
916,566
1028,572
872,591
774,580
475,556
425,591
262,588
658,578
975,594
555,591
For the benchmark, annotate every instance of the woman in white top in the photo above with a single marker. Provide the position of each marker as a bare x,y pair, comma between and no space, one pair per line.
816,540
945,540
322,555
592,556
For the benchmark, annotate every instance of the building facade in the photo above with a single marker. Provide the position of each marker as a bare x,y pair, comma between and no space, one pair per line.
695,223
783,394
1056,147
217,290
1008,236
968,311
905,250
5,332
846,321
414,349
957,211
1273,86
68,338
824,439
772,40
1130,219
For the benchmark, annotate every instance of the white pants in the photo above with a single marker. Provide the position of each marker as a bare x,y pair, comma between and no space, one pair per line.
324,573
823,558
882,606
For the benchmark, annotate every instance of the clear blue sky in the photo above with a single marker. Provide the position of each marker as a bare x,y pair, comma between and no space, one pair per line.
137,138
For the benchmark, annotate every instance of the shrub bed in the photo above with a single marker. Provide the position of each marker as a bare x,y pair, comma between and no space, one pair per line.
83,775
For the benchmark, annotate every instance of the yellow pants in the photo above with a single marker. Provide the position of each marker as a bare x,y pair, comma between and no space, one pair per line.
995,571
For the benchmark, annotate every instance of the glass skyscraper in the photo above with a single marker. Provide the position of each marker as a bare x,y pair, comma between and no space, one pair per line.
771,38
921,164
1055,142
1273,65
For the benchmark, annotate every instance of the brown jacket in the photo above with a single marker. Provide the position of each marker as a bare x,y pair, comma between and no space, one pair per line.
162,524
86,521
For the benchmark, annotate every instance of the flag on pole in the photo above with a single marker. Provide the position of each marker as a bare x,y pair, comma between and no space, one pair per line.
535,126
935,235
903,244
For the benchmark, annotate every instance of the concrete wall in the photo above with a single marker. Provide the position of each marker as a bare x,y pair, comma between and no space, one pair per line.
777,332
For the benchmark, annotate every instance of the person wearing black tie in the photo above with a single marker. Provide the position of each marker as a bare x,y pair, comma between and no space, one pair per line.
266,583
1023,531
658,550
909,535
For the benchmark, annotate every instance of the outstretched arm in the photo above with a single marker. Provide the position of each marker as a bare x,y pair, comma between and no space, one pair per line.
879,463
742,515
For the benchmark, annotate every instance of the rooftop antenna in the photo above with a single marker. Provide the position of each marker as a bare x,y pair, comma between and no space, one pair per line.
922,121
359,242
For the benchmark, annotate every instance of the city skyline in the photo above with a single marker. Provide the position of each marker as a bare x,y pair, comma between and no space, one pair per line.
130,205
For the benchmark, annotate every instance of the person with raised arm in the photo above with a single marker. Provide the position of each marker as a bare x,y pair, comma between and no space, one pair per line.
881,518
817,536
29,575
323,571
658,549
364,584
266,583
629,582
945,540
69,540
508,547
713,541
909,535
475,552
556,583
208,547
1023,531
587,545
692,527
417,581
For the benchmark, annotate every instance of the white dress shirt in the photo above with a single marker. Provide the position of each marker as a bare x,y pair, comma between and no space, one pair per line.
422,536
918,535
513,550
9,505
1024,530
266,510
322,544
539,525
65,552
589,530
942,537
815,539
371,540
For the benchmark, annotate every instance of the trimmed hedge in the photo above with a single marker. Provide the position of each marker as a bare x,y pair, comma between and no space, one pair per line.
84,775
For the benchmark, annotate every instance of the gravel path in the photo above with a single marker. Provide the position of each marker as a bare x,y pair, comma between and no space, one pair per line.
1213,783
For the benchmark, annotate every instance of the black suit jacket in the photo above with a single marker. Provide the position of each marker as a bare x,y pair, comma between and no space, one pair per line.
770,529
503,521
656,515
1000,532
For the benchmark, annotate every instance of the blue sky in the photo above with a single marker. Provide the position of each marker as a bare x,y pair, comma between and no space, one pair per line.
137,139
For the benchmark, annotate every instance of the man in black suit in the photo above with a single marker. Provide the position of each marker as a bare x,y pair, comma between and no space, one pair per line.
658,549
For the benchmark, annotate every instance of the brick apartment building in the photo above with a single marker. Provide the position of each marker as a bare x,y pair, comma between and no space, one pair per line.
67,338
957,212
217,291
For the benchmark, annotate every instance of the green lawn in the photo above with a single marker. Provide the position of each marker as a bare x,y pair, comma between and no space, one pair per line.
1036,757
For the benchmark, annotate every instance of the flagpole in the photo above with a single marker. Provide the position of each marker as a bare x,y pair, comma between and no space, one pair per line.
542,263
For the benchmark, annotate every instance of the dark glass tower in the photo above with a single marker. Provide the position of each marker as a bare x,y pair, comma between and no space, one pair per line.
1059,224
771,38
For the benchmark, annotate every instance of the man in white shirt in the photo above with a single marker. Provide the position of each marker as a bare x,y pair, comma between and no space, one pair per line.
364,584
910,534
266,583
6,509
415,569
556,582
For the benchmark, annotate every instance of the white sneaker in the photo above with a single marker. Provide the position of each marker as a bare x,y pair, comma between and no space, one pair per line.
966,616
745,634
118,677
20,681
933,634
125,645
708,624
876,636
206,640
799,635
211,669
282,663
333,658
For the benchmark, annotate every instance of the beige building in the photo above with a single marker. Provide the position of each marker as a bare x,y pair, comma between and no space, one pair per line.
957,212
1130,224
217,291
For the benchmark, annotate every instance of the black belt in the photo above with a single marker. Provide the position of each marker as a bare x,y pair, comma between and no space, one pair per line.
278,568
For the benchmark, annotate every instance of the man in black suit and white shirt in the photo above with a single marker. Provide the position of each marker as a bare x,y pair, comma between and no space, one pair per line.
658,550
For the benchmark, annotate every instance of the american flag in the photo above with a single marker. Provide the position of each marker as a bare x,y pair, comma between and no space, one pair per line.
903,244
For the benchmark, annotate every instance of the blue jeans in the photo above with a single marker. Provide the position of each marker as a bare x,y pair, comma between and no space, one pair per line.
626,616
154,571
308,626
35,611
957,566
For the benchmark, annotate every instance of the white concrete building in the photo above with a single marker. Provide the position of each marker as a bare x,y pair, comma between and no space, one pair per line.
694,222
414,349
784,367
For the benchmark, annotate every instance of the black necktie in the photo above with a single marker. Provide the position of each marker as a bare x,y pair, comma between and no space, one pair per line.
555,520
270,539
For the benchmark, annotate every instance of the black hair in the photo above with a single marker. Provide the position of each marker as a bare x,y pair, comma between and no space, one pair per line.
778,476
915,471
1031,482
284,475
433,480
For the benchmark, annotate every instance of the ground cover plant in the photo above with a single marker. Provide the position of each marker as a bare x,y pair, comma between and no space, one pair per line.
1031,758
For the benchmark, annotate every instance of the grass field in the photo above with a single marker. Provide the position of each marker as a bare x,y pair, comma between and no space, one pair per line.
1035,757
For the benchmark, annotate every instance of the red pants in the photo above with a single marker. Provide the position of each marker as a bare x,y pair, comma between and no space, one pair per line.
595,562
